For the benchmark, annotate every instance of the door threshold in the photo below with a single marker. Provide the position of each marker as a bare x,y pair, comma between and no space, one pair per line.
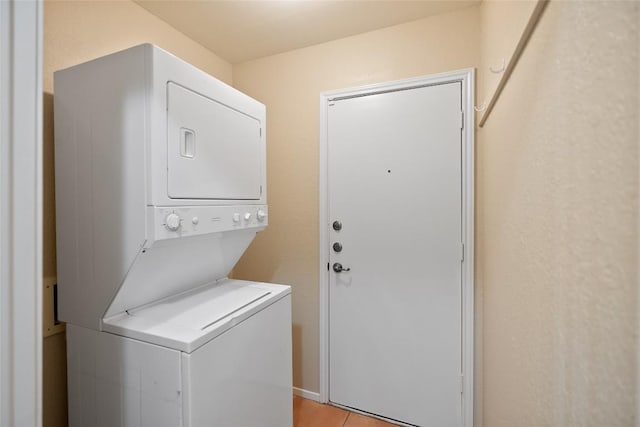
372,415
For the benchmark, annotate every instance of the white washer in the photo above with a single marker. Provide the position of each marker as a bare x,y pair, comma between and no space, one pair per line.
218,355
160,188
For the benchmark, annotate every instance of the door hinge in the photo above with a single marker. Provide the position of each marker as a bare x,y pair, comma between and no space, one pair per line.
461,384
462,252
461,119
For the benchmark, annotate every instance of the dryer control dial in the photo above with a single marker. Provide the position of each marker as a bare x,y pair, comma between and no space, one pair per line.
172,221
247,216
261,215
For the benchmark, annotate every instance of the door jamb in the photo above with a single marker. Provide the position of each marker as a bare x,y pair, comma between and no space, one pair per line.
21,72
466,77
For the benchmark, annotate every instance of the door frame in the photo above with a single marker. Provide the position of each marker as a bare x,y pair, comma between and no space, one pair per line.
21,212
466,78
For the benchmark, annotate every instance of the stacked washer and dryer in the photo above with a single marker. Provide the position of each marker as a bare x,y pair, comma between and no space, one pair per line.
160,188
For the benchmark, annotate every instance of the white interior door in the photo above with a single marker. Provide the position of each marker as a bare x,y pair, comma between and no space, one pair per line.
394,185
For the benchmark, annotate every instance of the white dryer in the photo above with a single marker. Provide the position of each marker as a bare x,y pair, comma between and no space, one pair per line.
160,188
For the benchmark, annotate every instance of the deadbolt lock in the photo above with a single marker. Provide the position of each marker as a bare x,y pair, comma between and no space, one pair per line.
337,225
337,246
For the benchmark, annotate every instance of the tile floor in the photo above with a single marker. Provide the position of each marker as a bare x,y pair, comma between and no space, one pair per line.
307,413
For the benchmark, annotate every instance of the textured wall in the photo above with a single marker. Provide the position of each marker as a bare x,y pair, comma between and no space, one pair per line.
75,32
501,25
290,85
557,224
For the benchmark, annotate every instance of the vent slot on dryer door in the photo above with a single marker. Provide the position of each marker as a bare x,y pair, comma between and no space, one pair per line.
214,152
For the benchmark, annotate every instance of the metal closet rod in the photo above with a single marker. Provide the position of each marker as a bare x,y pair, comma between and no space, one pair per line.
522,43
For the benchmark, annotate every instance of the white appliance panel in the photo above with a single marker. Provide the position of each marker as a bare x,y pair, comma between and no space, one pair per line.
115,381
163,68
243,377
213,150
240,378
171,267
201,220
201,310
100,180
191,319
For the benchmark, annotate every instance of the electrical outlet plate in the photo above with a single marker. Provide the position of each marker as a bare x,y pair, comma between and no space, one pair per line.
49,325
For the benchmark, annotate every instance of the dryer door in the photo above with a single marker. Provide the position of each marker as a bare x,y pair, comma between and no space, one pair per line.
214,152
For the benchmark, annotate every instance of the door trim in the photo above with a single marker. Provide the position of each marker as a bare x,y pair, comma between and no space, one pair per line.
466,78
21,212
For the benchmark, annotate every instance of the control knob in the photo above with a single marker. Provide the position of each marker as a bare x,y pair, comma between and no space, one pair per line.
261,215
172,221
247,216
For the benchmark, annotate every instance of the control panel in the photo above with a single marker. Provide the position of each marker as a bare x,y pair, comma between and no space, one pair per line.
174,222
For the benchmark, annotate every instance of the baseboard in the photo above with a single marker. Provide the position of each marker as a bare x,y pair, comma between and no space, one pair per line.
311,395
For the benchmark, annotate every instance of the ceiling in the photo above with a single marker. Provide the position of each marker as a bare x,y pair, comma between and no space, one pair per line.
239,30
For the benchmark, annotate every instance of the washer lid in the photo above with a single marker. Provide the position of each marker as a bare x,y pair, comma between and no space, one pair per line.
189,320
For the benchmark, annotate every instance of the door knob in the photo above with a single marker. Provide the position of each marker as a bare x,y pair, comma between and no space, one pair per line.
338,268
337,225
